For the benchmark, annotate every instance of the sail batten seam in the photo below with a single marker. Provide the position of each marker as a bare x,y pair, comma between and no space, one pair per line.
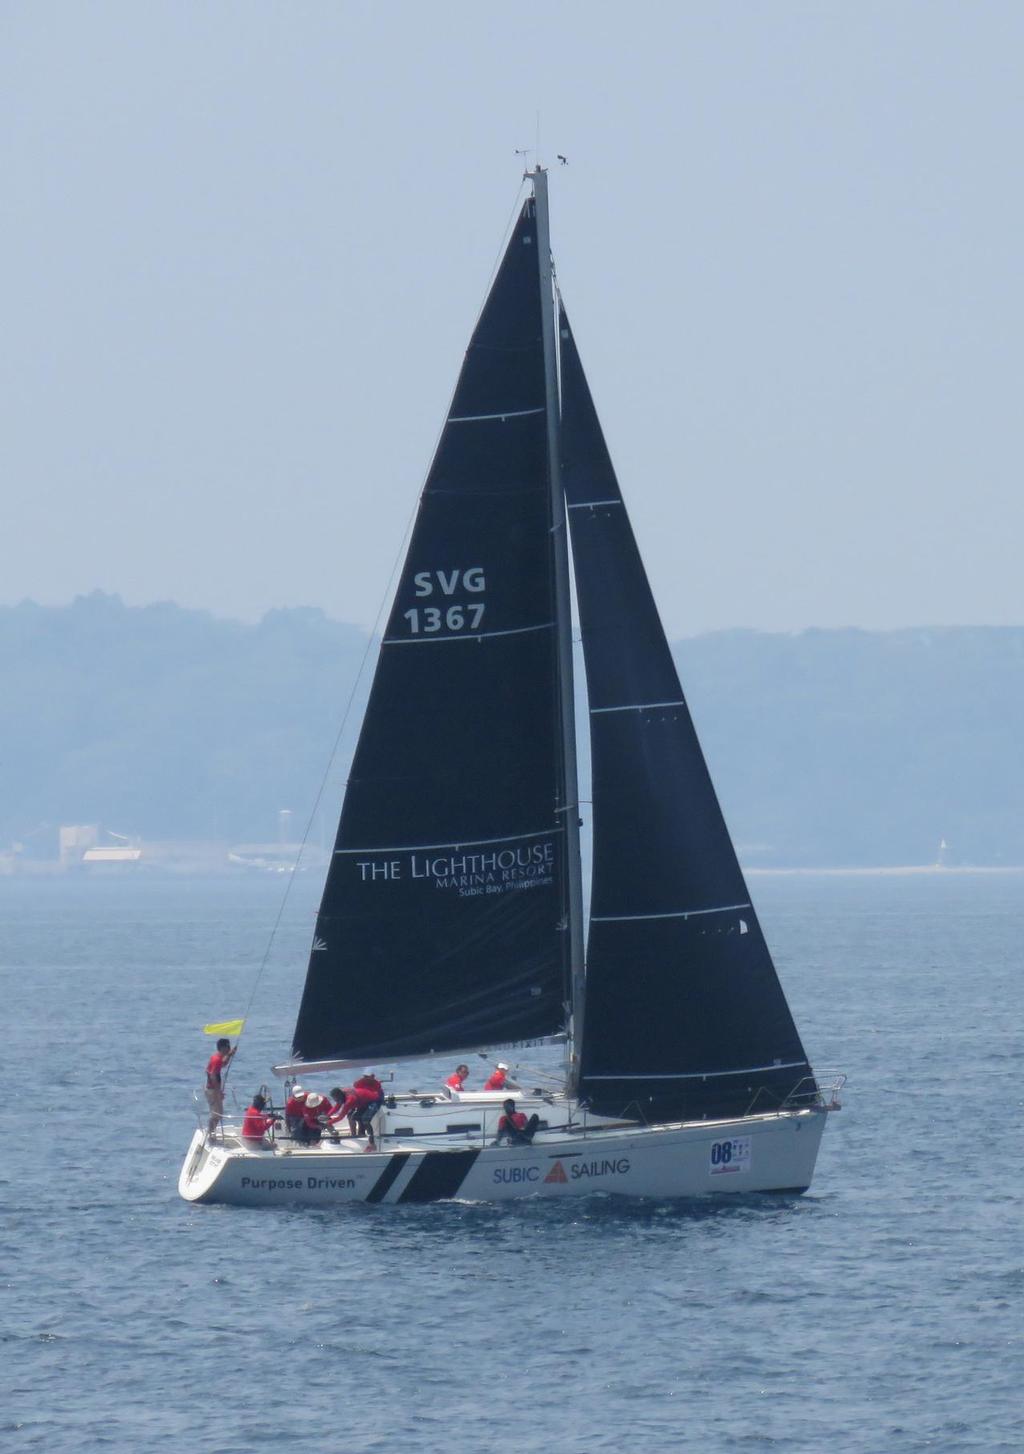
637,706
463,636
456,843
706,1074
591,504
672,914
507,414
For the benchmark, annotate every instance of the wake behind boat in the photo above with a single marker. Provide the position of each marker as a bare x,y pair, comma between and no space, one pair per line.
452,916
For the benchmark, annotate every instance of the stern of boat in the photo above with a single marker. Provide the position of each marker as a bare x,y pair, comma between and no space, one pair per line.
203,1164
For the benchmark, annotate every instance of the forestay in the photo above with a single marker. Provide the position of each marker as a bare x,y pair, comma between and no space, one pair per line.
442,921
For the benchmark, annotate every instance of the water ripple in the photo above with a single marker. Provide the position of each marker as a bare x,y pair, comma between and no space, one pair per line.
880,1314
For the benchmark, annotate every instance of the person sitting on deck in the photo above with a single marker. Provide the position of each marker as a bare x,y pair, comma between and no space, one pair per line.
457,1079
314,1119
498,1079
257,1123
514,1126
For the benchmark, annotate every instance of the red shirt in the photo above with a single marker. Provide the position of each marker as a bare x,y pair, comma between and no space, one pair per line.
370,1083
455,1080
515,1122
295,1107
214,1066
255,1124
345,1108
355,1099
495,1081
312,1115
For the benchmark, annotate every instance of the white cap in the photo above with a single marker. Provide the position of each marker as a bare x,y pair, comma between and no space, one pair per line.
370,1071
313,1099
297,1091
502,1065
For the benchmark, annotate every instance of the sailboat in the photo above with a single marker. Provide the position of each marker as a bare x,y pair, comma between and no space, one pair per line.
452,918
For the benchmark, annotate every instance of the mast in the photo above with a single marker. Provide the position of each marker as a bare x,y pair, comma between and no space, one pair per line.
570,808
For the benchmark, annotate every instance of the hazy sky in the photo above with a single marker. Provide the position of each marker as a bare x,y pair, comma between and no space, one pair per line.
244,244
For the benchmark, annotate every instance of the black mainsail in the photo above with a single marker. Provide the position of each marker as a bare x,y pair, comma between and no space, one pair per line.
684,1013
450,905
442,924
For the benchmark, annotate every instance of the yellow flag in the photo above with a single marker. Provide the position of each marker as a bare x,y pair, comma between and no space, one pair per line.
224,1027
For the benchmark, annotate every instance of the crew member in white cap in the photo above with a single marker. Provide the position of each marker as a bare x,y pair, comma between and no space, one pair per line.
314,1118
293,1109
368,1081
498,1079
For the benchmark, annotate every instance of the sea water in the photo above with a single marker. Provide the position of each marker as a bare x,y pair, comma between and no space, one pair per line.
880,1313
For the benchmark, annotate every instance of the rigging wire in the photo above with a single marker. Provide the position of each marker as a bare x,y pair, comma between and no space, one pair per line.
372,637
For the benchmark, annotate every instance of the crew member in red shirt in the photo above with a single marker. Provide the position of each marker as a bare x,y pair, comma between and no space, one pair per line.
215,1068
314,1118
256,1123
368,1081
359,1106
458,1077
514,1127
369,1088
294,1107
346,1101
498,1079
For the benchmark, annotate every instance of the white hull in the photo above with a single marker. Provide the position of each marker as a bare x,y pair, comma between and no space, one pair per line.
774,1152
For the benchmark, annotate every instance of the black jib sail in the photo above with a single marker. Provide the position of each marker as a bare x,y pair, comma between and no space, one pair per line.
684,1014
442,921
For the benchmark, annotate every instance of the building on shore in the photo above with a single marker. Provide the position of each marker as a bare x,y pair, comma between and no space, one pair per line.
87,844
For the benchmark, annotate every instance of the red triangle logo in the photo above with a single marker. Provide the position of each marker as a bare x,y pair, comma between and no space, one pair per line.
557,1173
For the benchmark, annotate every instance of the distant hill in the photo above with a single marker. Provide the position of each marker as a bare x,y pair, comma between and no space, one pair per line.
864,747
165,722
827,747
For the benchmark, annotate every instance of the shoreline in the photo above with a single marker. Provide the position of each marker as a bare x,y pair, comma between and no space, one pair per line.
909,870
214,869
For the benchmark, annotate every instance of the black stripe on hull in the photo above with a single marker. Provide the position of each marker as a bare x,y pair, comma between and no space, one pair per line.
439,1176
388,1177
